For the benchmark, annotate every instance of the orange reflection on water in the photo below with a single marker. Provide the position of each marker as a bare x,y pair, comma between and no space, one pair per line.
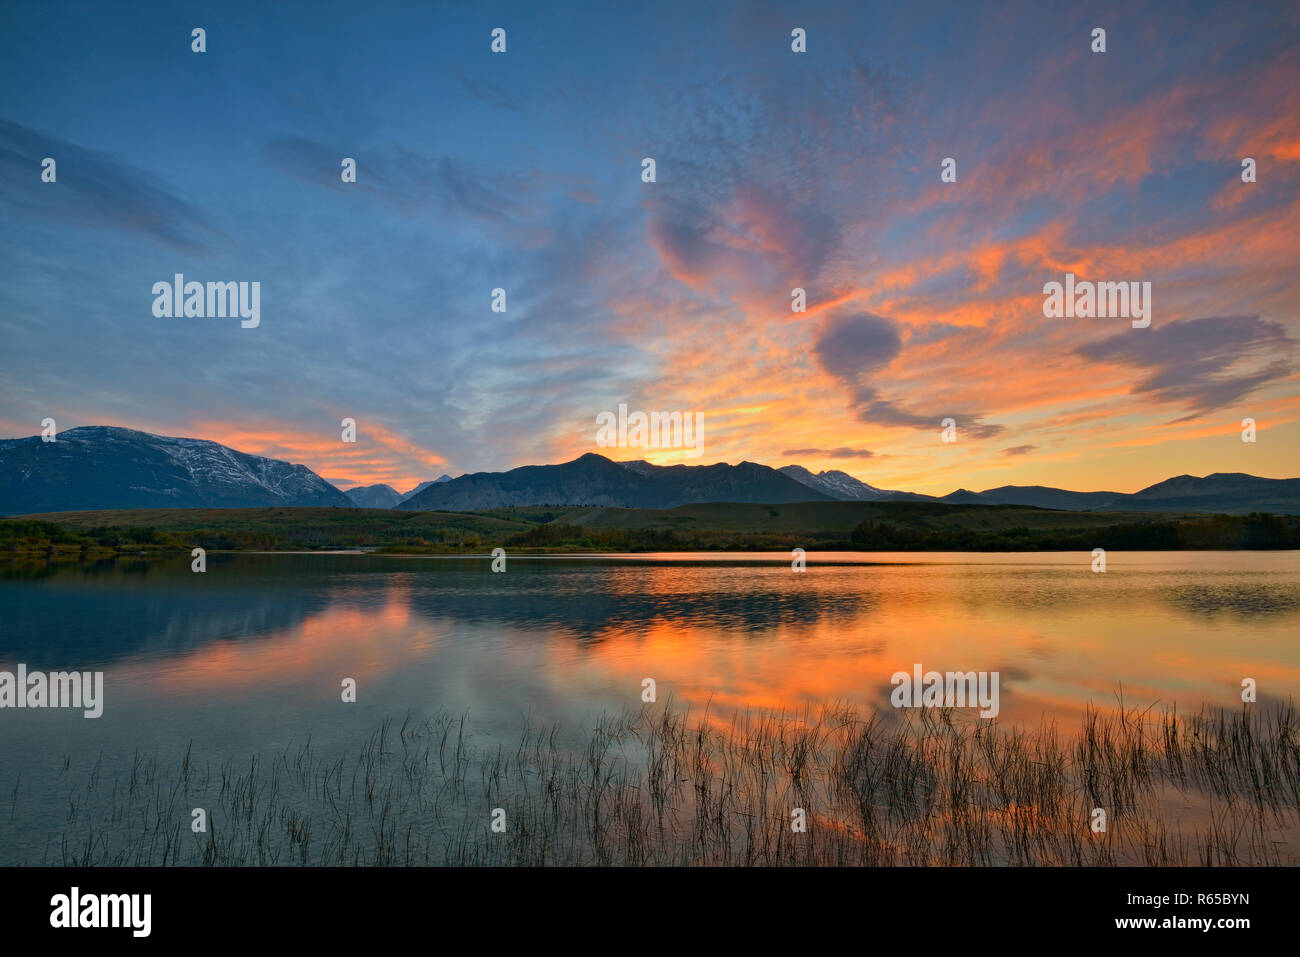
759,638
346,639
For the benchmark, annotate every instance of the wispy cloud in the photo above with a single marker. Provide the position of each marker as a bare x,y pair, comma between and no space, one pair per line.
775,170
1202,364
95,189
855,348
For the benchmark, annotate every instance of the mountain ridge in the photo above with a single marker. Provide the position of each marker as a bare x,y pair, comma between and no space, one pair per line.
385,496
110,467
98,467
1222,492
373,496
837,484
592,479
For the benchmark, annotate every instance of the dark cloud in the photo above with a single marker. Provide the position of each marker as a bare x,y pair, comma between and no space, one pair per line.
682,235
1201,364
764,236
843,452
1019,450
857,345
94,189
854,347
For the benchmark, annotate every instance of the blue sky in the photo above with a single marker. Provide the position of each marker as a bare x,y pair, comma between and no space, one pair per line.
775,170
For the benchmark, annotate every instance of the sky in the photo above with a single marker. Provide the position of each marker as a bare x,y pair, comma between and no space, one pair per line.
774,170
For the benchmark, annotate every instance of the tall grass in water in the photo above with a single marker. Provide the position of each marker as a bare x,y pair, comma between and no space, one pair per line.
658,787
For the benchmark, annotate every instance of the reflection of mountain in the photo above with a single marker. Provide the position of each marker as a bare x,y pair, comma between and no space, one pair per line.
85,618
75,620
589,600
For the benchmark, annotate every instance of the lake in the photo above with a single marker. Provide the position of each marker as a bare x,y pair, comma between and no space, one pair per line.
248,658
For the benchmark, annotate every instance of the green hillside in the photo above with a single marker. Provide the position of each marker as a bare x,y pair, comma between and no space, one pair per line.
836,518
810,525
260,528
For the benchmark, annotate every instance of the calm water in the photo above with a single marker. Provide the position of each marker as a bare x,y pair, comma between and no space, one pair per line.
249,656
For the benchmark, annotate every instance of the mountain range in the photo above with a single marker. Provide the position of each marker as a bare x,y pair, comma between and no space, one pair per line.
105,467
595,480
385,496
838,485
100,467
1228,492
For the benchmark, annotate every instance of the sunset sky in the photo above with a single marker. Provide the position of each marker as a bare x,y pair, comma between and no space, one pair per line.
522,171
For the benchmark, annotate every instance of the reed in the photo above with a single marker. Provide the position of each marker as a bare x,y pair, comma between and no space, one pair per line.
665,787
